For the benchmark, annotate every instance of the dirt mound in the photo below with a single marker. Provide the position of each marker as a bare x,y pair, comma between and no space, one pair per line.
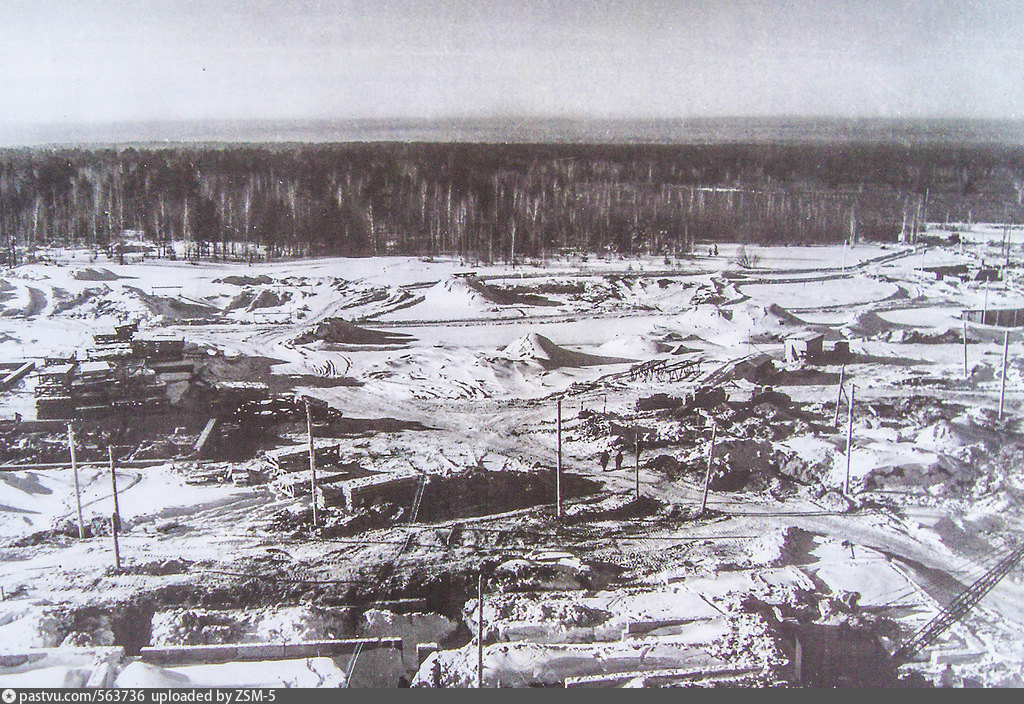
91,274
251,300
513,295
341,331
919,337
170,308
260,280
507,296
128,303
537,349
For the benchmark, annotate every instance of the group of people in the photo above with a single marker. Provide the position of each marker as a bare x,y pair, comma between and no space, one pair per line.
606,455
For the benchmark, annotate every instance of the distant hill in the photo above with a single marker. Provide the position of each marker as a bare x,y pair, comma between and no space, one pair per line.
708,130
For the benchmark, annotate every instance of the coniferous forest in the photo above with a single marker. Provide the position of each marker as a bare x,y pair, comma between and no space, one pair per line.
494,202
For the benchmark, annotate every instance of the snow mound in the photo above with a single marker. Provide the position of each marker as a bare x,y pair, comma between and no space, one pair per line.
779,546
128,303
762,318
632,346
537,349
140,674
771,313
93,274
947,438
742,321
705,316
453,299
868,325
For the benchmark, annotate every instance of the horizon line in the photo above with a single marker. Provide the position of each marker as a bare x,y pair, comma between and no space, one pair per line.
514,129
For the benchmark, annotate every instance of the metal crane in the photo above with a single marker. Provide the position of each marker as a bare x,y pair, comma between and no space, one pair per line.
958,608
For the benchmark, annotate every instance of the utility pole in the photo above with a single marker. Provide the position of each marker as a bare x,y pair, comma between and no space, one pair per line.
636,444
849,440
965,348
480,631
312,462
558,467
74,469
707,475
1006,241
115,517
839,396
1002,385
984,309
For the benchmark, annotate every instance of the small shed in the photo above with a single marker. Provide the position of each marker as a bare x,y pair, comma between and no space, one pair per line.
126,332
951,270
804,347
97,369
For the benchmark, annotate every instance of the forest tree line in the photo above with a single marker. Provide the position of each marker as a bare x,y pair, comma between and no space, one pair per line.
494,202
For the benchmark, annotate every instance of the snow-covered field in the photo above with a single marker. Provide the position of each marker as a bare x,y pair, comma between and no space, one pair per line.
455,374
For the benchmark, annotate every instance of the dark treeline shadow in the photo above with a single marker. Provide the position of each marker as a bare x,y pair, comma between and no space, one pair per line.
494,202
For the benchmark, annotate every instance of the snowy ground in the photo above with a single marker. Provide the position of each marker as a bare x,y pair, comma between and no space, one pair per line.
443,367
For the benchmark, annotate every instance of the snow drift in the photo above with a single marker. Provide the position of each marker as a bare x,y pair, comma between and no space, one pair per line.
537,349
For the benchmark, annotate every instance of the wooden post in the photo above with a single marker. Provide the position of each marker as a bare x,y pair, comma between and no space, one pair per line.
1002,384
636,445
480,631
849,440
707,475
839,396
798,662
966,374
558,467
984,309
312,462
74,469
115,517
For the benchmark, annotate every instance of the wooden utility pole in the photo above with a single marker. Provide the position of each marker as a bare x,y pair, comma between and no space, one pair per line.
115,517
1006,241
984,308
312,462
798,662
849,440
480,631
965,349
558,467
78,489
1002,384
839,396
636,447
707,475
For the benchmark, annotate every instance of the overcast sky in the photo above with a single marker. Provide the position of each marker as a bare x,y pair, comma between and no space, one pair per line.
87,61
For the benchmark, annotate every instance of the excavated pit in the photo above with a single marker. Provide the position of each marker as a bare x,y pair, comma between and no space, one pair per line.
465,494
